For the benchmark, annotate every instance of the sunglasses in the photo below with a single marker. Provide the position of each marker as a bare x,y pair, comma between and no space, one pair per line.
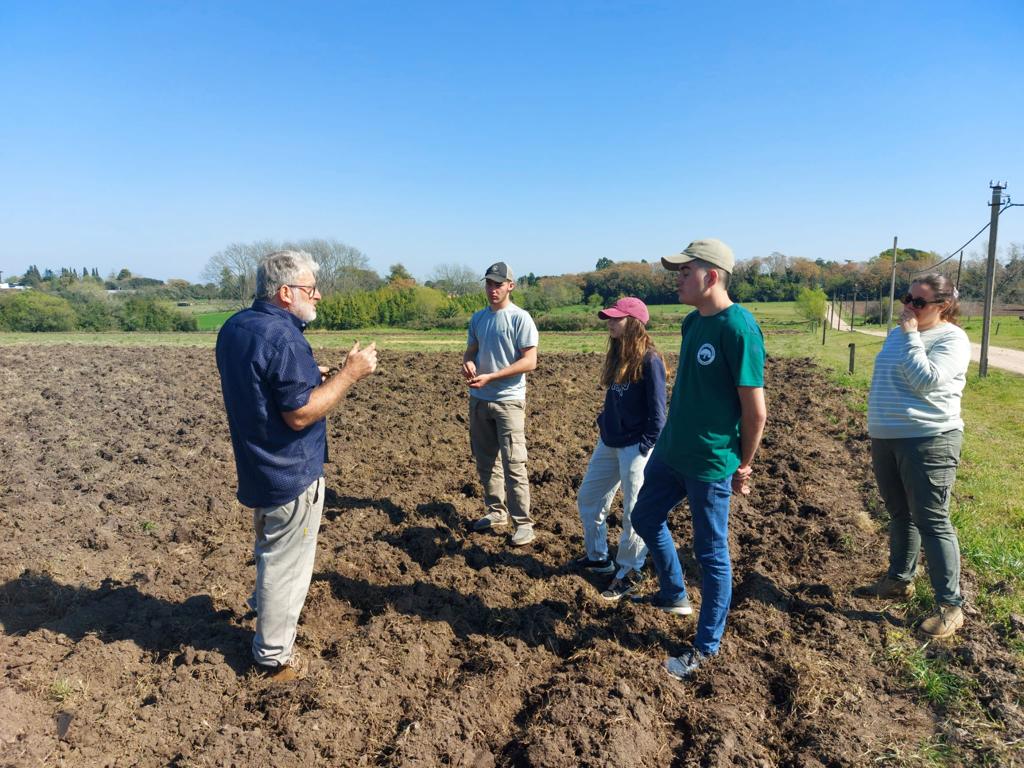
918,302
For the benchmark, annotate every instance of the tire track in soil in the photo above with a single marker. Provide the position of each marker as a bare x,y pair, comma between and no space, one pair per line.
128,563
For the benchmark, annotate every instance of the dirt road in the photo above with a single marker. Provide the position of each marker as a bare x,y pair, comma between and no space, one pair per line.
1011,360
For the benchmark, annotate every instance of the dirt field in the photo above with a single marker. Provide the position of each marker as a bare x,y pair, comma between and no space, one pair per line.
127,561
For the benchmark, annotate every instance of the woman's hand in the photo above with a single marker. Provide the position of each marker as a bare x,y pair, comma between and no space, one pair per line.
908,320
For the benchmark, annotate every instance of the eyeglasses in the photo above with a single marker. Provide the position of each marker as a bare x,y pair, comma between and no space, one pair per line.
309,290
918,302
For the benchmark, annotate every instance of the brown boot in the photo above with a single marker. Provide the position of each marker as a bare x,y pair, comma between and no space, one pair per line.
886,589
946,620
295,669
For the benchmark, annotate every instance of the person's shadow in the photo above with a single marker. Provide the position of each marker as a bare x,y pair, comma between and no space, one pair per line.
116,611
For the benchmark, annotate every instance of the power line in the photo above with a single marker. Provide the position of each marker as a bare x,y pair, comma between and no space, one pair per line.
1008,204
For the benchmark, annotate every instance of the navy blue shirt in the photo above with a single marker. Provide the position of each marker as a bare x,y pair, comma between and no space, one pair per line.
635,412
266,368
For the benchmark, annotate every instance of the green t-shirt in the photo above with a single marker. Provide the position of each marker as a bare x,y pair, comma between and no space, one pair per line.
718,353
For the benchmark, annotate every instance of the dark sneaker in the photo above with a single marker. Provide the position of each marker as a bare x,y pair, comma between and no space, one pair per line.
946,620
680,606
887,589
683,666
594,566
619,588
493,520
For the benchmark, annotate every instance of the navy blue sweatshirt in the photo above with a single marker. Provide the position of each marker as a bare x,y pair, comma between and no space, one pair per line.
635,413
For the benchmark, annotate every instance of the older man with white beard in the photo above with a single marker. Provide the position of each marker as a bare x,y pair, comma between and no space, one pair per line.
277,398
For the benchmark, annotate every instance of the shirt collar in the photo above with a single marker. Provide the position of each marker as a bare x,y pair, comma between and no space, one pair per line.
259,305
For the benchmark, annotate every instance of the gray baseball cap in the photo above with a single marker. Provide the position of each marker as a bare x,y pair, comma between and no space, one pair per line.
499,272
710,250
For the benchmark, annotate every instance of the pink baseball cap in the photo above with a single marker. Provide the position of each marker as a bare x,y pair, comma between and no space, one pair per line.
630,306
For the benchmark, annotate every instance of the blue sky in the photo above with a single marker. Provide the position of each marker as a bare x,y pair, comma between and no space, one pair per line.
548,134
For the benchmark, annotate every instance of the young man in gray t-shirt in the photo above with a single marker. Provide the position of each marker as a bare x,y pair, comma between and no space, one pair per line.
500,350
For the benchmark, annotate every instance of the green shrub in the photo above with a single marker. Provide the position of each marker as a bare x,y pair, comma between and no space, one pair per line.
573,322
35,311
145,314
94,316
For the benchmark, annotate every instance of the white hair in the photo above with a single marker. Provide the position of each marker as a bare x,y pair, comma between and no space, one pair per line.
282,268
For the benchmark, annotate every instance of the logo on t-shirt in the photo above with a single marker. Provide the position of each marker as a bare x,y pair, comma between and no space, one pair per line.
706,354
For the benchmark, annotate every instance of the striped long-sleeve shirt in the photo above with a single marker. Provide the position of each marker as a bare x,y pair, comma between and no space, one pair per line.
918,382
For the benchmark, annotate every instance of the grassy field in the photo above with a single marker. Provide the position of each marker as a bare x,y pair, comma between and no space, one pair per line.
987,506
1007,330
212,321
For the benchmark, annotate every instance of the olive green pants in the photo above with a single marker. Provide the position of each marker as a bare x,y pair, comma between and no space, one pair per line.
497,435
915,476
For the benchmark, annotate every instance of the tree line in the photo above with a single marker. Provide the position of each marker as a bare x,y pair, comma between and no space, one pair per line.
355,295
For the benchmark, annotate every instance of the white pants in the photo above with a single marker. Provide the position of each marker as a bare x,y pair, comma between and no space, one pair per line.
608,469
284,552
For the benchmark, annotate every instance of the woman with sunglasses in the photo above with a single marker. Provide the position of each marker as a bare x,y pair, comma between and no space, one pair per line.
916,432
633,415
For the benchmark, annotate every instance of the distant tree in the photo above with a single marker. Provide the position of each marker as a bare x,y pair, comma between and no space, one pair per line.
32,277
234,269
603,263
124,274
456,279
342,267
810,303
398,274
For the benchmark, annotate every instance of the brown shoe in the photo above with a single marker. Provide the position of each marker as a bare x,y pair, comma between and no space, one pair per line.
946,620
887,589
295,669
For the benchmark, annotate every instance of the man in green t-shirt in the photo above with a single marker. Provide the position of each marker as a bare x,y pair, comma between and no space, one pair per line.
715,421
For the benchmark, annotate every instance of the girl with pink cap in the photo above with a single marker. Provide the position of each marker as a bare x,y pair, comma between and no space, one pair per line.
630,422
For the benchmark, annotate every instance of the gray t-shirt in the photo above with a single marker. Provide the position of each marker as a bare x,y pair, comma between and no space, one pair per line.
501,336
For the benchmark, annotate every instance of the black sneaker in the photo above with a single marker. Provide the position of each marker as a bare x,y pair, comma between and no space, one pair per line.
619,588
594,566
680,606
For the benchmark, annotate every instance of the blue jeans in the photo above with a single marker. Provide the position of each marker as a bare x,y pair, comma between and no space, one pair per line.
662,490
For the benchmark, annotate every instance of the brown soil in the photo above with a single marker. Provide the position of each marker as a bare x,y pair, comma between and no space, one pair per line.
127,562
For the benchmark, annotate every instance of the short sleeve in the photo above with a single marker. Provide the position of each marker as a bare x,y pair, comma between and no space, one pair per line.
527,336
291,376
746,357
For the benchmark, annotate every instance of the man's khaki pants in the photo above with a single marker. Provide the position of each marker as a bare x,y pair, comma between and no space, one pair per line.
284,552
498,431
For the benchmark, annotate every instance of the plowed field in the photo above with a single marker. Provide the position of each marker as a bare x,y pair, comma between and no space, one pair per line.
126,562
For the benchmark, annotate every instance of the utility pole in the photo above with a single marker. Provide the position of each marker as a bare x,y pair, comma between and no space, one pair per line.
892,285
853,312
990,274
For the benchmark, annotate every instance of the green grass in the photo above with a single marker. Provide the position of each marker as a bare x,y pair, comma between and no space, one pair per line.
1007,331
987,506
931,676
212,321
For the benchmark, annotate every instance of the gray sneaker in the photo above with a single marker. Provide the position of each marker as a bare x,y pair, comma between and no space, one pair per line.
680,606
683,666
619,588
524,535
489,521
